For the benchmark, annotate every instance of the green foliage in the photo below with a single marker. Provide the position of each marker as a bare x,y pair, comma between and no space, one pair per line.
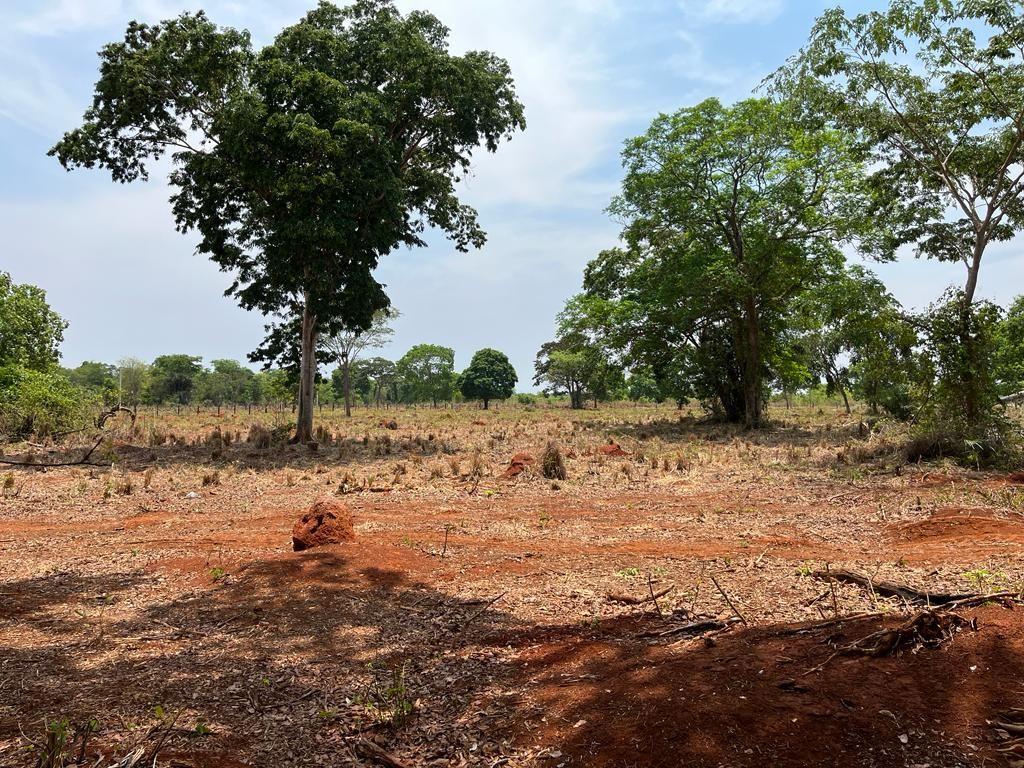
227,382
41,403
300,165
277,386
490,376
132,380
931,88
1009,350
427,374
857,338
30,332
576,366
959,393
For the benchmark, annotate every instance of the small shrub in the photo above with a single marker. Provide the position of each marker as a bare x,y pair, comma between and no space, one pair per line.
259,436
552,463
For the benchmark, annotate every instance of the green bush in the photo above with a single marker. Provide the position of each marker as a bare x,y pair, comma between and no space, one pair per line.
41,403
525,398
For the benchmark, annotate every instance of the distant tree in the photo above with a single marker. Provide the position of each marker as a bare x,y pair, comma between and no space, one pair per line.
132,380
1009,356
172,378
577,367
426,374
30,332
376,379
490,376
857,329
277,386
228,381
97,378
347,344
642,386
302,164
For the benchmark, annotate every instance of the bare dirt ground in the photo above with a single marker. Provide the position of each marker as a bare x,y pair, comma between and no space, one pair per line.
470,623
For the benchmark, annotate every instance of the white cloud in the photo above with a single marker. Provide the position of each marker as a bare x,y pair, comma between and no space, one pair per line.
733,11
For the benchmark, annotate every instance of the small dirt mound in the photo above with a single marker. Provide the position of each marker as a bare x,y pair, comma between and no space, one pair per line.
611,449
328,521
518,465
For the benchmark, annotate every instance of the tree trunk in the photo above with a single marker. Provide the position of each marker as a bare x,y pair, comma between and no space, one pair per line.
307,378
485,403
346,373
753,401
846,400
973,268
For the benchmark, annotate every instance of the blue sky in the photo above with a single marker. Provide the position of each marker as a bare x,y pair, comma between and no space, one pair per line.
591,73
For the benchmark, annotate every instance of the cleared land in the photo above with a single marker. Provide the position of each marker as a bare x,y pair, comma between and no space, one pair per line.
478,621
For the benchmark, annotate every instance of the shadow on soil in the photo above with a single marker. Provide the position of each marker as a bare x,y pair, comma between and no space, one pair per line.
289,660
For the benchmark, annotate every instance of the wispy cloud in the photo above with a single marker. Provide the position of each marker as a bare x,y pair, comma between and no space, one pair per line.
733,11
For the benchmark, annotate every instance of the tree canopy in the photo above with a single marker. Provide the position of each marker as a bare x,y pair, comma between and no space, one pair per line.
931,88
427,373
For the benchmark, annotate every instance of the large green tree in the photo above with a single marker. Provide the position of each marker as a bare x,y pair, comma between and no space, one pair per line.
30,332
730,213
490,376
932,90
300,165
426,373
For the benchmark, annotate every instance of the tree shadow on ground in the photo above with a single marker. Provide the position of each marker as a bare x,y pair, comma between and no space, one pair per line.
289,660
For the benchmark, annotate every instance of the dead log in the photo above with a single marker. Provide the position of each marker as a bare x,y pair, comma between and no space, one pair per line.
615,597
378,755
693,628
891,589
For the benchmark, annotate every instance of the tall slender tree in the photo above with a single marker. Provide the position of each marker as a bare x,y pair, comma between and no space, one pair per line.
348,344
302,164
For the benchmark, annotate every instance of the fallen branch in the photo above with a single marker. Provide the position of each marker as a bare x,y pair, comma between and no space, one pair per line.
615,597
82,461
479,613
375,753
890,589
727,600
928,629
694,628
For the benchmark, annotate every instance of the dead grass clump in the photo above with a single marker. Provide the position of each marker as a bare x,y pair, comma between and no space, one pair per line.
211,478
478,467
259,436
552,463
123,485
215,439
455,465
